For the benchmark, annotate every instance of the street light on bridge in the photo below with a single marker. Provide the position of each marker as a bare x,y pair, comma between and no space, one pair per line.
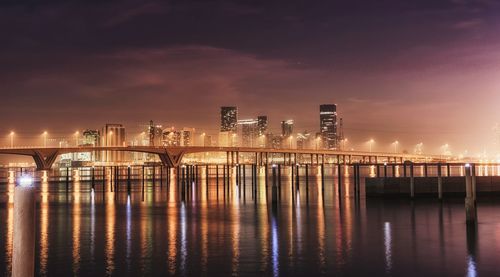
45,138
77,133
370,143
12,139
396,143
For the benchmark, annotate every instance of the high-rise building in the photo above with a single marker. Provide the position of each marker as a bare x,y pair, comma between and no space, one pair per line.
262,124
249,132
92,138
155,134
228,119
113,135
187,137
328,125
171,137
303,140
287,128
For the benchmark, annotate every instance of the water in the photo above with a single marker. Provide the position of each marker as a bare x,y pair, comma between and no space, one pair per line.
309,233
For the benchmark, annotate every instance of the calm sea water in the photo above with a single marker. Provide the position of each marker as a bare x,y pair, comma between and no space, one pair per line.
311,232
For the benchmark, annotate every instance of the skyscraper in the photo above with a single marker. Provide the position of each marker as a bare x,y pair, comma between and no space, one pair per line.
262,124
287,128
228,119
328,125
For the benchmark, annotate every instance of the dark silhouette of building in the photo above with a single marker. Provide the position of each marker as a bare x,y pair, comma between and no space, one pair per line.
287,128
262,124
228,119
328,125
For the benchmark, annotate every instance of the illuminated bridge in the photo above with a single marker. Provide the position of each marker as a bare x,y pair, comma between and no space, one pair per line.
45,157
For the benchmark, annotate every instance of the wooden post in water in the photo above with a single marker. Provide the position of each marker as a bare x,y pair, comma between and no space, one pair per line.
93,178
470,202
128,180
67,179
161,177
103,179
217,179
448,170
440,182
23,257
244,181
322,168
412,182
297,177
274,188
339,177
279,182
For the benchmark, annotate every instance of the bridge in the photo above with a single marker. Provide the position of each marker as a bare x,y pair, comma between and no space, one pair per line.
44,157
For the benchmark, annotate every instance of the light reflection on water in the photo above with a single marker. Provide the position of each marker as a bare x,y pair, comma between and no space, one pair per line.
311,232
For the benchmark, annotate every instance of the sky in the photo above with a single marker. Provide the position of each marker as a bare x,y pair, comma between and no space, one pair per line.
413,71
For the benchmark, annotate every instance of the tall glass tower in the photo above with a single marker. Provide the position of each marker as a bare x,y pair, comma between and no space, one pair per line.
328,125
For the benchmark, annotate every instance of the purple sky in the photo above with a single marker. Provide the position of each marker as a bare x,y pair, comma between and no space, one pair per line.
424,71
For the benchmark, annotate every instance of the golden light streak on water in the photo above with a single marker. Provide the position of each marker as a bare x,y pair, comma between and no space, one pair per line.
45,177
12,177
76,227
204,233
261,187
398,171
346,182
10,230
44,228
172,219
263,225
145,236
76,175
173,186
372,171
109,247
235,237
321,227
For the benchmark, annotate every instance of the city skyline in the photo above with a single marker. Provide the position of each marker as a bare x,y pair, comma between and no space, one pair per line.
282,134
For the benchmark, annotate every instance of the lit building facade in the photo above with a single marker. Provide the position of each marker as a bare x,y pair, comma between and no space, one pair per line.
249,132
155,133
188,135
328,125
229,119
92,138
171,137
113,135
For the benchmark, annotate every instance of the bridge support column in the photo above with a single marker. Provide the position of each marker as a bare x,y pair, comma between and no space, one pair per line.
23,258
448,170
